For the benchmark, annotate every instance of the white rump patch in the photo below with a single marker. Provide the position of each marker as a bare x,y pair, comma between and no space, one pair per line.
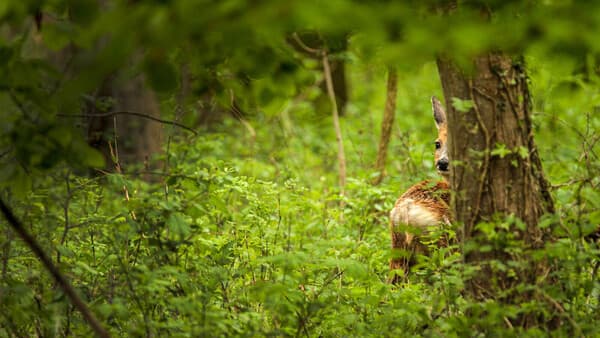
409,212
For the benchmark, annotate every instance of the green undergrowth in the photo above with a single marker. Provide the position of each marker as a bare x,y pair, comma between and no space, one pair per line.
248,235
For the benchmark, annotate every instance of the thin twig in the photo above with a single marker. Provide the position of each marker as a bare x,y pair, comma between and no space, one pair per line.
586,180
53,269
66,206
6,152
240,116
560,309
114,153
131,113
20,105
135,296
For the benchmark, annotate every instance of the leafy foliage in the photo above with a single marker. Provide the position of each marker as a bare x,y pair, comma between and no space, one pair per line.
243,234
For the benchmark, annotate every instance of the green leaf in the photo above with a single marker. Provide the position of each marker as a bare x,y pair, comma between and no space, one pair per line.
93,158
500,150
462,105
178,224
88,268
522,151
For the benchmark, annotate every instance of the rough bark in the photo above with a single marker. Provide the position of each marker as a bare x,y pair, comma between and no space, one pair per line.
489,185
138,138
386,125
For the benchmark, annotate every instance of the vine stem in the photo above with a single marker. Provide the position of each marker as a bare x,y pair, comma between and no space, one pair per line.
485,165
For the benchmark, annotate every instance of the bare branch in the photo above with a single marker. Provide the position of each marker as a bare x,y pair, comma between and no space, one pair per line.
304,46
131,113
237,113
58,276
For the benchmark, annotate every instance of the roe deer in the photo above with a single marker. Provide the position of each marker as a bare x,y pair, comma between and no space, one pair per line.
423,205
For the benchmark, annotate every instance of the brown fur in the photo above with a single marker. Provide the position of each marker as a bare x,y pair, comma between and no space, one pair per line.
406,232
442,137
430,195
422,206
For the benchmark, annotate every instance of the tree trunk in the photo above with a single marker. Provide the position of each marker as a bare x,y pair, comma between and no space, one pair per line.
496,172
386,125
137,139
336,125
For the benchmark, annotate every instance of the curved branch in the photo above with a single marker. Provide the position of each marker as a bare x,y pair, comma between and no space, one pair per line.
131,113
58,276
304,46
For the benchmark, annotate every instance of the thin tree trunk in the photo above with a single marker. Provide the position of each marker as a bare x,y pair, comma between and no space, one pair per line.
496,173
334,109
311,43
386,125
336,124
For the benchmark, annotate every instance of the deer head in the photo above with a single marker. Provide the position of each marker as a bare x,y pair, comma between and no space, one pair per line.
442,162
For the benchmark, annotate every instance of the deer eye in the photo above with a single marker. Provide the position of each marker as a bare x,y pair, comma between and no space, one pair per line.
438,145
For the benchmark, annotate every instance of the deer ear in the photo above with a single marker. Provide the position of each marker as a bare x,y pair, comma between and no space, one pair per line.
439,114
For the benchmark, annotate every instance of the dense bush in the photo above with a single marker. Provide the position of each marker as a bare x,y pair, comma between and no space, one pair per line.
244,235
243,229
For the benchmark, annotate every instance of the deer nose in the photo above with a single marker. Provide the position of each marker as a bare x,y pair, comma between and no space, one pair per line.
442,164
